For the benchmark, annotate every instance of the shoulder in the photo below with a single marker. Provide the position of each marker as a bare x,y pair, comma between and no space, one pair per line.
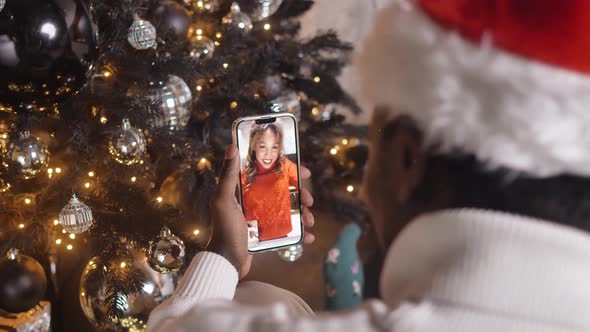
289,165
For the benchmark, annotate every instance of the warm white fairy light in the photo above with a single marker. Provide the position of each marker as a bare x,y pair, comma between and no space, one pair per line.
133,179
196,232
333,151
72,236
70,247
159,199
350,188
57,170
123,264
267,26
91,174
21,226
316,79
55,222
103,120
27,201
58,241
87,185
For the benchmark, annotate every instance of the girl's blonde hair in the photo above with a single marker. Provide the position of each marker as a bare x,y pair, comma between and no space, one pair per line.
255,133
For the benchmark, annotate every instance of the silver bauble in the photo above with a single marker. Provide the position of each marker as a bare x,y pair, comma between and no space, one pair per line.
157,288
76,217
264,9
173,98
127,145
288,101
201,47
237,19
166,252
2,3
141,34
27,155
292,253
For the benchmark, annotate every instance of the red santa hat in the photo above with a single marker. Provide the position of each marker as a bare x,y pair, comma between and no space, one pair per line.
505,80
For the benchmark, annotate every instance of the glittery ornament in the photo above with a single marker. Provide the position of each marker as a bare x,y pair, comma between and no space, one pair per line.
287,102
237,19
173,98
264,9
141,34
127,146
76,217
201,47
166,252
156,288
27,155
292,253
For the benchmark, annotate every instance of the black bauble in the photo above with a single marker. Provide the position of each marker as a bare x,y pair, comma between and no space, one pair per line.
22,282
47,52
172,21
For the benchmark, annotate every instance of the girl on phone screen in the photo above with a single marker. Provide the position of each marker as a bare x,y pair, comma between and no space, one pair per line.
266,180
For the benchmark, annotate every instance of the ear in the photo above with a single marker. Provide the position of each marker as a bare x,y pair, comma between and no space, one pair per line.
401,141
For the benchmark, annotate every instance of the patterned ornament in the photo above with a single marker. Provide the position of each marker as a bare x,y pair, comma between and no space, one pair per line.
237,19
287,102
264,9
291,254
27,155
76,217
156,288
201,47
166,252
2,3
141,34
22,282
207,6
174,98
127,146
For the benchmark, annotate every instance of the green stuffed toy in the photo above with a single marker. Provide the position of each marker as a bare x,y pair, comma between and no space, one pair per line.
343,271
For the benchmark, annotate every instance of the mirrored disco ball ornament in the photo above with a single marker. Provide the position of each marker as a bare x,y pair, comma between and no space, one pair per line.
156,288
201,47
2,3
264,9
237,19
76,217
141,34
291,254
127,146
166,252
27,155
174,100
287,102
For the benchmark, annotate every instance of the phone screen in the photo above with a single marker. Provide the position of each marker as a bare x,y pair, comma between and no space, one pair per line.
269,181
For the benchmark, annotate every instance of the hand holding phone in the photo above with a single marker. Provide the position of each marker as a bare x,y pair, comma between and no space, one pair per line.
230,235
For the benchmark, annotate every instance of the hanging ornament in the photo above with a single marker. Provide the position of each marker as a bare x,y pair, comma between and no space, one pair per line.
166,252
2,3
127,146
47,52
287,102
141,34
76,217
237,19
204,6
172,20
263,9
156,288
27,155
201,47
174,98
291,254
22,282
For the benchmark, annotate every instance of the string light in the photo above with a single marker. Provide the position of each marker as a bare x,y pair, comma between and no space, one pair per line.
91,174
267,26
57,170
133,179
199,88
315,110
87,185
199,32
350,188
218,35
196,232
70,247
233,105
56,222
72,236
63,231
159,199
123,264
106,73
333,151
103,120
344,141
225,65
316,79
27,201
50,172
58,241
21,226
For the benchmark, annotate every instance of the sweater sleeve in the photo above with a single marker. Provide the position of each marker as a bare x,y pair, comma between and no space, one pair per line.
291,170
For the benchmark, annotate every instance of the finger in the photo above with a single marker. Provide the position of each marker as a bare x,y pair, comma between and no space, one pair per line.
306,198
308,218
305,173
228,180
308,238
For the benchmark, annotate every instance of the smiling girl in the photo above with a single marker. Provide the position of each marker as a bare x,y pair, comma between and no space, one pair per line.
266,180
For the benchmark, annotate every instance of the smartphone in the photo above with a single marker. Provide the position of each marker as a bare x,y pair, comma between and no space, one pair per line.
270,181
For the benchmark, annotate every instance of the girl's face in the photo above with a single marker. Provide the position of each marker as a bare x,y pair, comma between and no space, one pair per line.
267,149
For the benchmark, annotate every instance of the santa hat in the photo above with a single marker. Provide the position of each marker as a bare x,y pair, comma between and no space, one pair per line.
505,80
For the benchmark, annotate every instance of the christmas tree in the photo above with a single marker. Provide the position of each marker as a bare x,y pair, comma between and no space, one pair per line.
115,117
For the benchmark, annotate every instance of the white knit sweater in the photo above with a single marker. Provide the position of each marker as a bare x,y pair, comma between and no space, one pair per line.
456,270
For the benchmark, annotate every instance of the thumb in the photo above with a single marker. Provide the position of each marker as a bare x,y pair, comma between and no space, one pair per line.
228,180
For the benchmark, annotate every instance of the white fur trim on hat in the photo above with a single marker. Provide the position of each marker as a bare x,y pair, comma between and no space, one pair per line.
508,111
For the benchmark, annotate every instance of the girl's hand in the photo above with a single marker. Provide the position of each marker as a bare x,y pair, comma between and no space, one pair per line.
230,232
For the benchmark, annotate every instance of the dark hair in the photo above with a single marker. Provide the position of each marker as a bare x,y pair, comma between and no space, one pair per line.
562,199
